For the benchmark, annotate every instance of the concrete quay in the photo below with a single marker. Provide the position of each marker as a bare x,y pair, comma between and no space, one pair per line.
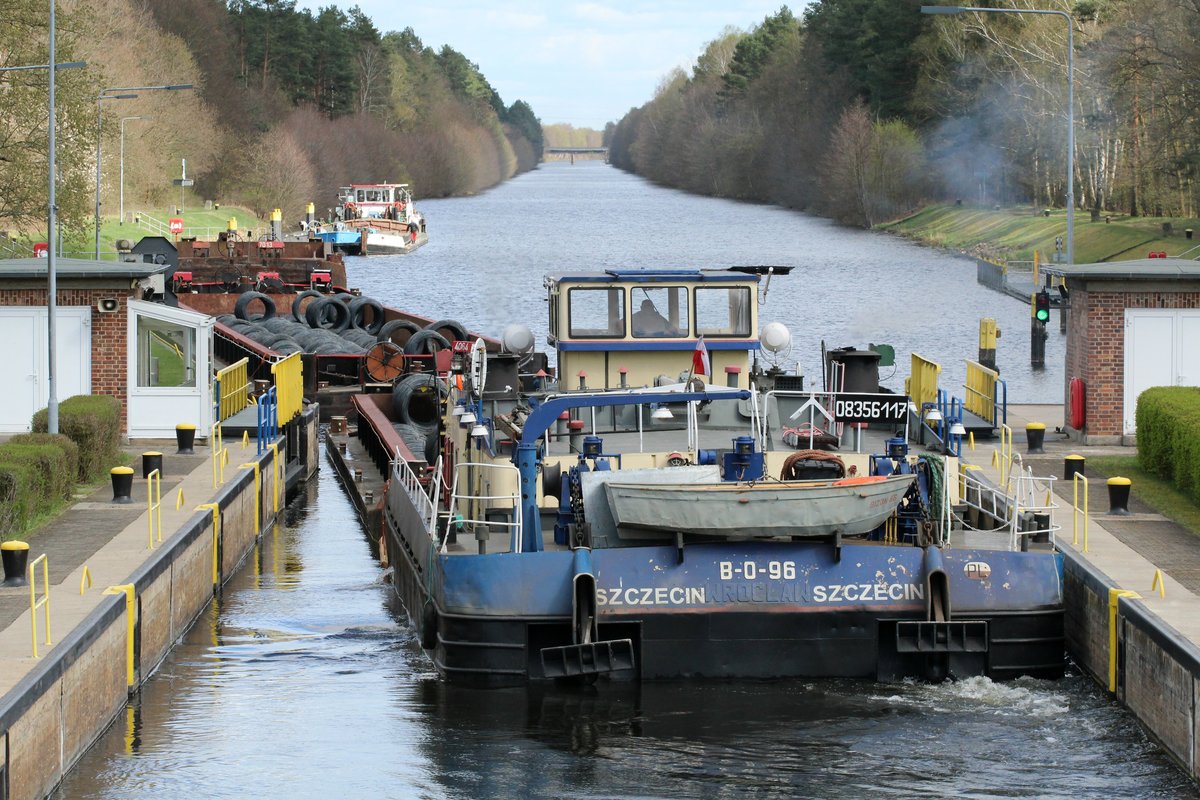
104,642
1131,588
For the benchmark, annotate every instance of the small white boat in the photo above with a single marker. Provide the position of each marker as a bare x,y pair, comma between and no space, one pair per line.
758,510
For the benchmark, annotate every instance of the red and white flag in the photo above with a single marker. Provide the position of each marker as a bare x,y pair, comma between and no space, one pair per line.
700,363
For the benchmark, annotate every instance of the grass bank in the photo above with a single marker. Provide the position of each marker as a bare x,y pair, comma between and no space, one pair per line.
1014,233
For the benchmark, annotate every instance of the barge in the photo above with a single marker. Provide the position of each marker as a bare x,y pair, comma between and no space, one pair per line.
374,219
500,511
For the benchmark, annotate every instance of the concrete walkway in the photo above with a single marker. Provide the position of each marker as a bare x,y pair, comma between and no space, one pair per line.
1128,549
111,540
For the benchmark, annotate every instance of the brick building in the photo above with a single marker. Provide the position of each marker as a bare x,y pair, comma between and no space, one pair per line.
99,324
1131,325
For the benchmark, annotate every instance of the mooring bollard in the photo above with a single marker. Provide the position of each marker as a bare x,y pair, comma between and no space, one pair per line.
1035,437
185,438
15,555
1118,495
561,427
152,460
576,435
1072,466
122,483
732,374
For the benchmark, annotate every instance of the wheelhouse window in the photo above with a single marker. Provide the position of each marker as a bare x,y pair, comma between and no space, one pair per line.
660,311
723,311
596,313
166,353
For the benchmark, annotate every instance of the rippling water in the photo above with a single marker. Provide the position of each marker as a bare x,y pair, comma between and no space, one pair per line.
487,255
300,684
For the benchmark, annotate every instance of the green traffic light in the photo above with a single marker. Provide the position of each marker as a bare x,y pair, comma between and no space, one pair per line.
1043,315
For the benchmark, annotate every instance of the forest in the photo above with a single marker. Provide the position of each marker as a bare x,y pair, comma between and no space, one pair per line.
288,105
863,109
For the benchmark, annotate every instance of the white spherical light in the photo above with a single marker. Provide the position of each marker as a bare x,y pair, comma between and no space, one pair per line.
517,338
775,337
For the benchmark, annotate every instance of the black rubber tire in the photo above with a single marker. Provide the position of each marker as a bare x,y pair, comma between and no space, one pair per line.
358,307
240,309
298,303
425,342
391,326
458,333
416,400
329,314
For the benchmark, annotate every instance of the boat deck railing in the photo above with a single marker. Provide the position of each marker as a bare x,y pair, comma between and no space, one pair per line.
421,497
1022,509
471,501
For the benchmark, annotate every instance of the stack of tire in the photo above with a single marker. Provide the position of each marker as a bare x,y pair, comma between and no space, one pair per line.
339,324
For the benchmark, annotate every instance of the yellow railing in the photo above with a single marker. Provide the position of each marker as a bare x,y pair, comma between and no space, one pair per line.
1114,598
215,508
254,465
1075,479
234,383
922,383
220,455
127,589
153,507
980,397
44,602
289,388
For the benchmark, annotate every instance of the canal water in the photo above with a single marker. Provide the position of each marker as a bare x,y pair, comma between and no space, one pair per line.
300,682
487,256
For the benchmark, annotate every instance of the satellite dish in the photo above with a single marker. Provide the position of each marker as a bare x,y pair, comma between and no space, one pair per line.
517,338
775,337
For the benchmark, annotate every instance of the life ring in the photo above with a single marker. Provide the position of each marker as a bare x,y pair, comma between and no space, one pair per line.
1077,396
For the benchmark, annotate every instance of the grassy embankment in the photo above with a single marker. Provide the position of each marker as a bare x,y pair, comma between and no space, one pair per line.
197,222
1014,233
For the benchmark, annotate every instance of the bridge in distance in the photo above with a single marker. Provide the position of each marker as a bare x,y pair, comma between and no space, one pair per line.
572,153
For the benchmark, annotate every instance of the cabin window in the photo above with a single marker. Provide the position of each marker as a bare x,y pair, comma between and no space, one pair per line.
596,313
361,196
166,353
723,311
660,311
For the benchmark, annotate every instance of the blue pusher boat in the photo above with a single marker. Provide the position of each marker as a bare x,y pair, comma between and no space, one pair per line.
643,517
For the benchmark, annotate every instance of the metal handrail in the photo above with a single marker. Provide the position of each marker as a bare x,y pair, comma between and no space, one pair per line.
35,603
1024,499
514,498
403,475
153,504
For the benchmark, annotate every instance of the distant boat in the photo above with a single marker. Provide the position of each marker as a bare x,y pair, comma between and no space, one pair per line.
758,510
374,219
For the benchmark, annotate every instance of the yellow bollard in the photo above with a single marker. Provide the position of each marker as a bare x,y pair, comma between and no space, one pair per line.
971,439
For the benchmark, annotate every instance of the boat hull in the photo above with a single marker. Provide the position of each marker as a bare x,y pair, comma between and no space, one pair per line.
763,510
728,610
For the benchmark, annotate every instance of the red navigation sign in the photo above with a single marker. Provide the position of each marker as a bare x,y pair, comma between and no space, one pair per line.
175,224
41,250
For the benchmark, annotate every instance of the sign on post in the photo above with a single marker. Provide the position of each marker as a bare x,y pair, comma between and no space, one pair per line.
175,224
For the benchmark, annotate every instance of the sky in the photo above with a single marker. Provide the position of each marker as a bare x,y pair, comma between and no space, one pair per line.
583,63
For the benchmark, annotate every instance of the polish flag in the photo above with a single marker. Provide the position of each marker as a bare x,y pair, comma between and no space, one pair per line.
700,363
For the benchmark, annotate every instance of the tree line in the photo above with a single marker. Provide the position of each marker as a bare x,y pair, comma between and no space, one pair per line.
862,109
289,105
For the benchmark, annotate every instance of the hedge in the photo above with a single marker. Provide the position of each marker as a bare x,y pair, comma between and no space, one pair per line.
1168,436
18,498
93,422
63,442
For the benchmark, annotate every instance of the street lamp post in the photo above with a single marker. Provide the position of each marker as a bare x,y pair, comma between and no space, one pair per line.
1070,98
108,94
121,218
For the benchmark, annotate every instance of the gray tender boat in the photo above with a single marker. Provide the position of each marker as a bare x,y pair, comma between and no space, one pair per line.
757,510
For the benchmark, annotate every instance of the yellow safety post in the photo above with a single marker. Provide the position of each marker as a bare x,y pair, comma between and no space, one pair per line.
35,603
153,507
277,469
127,589
179,501
971,439
1114,597
216,512
257,493
218,455
245,439
85,579
1158,584
1079,476
1006,451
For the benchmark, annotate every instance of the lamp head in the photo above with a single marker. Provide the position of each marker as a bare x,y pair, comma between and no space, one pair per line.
468,418
957,429
479,432
933,415
661,412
